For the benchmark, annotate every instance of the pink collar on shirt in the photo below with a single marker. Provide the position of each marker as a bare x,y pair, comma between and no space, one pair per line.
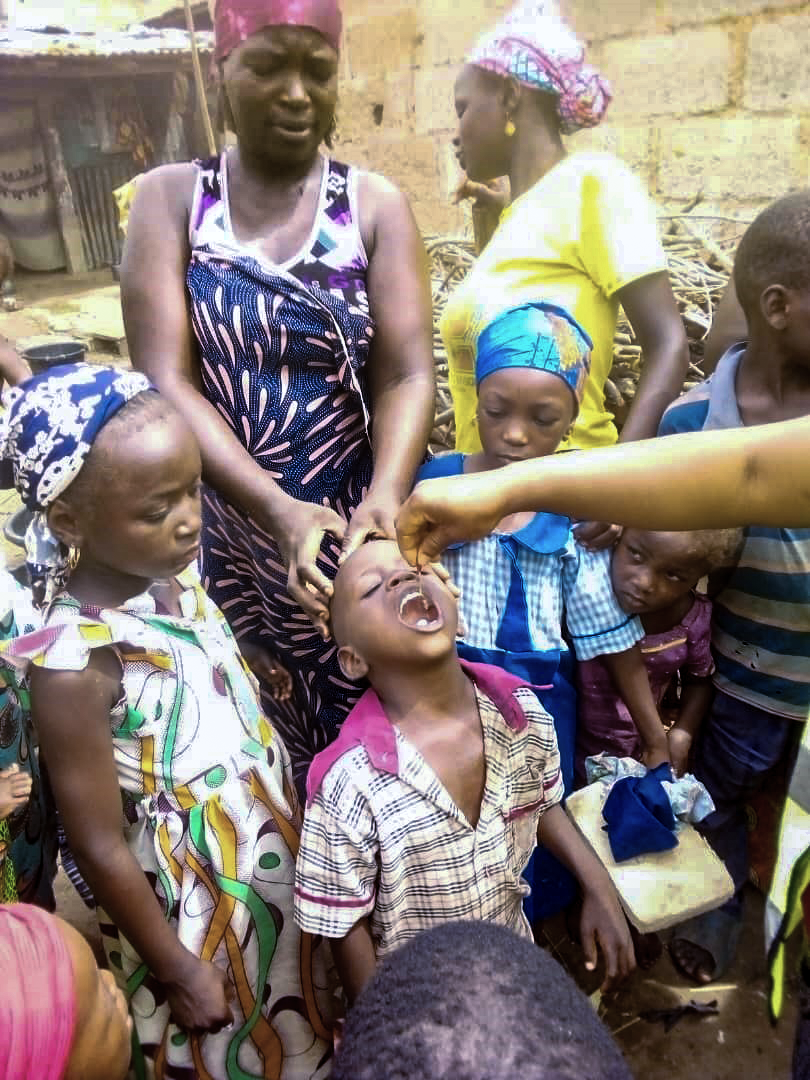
369,727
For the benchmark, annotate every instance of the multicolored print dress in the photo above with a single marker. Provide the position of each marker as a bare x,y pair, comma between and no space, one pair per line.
282,352
28,837
212,817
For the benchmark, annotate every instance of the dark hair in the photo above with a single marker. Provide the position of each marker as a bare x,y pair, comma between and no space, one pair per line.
775,250
135,415
473,1001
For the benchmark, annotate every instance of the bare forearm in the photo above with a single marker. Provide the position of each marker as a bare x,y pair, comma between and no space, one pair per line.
355,958
556,833
633,685
716,479
120,887
661,382
696,698
403,417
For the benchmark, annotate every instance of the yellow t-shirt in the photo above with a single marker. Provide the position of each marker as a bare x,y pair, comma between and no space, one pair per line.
585,230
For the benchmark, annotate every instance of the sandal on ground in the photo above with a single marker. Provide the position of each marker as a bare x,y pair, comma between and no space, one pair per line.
711,939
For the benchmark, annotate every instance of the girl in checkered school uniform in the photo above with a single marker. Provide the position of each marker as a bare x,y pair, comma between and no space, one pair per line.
532,599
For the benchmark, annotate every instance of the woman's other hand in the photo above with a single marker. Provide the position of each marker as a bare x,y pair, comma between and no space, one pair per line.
299,540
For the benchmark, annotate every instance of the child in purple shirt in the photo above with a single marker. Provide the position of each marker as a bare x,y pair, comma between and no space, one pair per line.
654,575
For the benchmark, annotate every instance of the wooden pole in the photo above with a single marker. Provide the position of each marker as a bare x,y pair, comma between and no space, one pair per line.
69,224
199,82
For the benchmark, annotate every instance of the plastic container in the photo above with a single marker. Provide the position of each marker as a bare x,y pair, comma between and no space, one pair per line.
42,357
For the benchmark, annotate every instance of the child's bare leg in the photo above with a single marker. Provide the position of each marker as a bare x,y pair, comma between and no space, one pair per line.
15,789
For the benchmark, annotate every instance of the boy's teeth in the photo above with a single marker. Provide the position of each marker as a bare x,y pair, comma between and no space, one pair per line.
406,599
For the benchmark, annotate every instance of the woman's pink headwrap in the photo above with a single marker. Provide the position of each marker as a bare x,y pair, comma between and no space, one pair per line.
533,44
236,20
38,1002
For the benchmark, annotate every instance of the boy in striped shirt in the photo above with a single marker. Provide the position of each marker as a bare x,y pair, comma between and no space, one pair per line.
761,613
430,802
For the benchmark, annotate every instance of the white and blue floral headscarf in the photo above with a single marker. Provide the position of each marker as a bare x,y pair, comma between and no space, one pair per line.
50,424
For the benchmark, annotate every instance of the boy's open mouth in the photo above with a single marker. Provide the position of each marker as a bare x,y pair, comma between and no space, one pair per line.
418,612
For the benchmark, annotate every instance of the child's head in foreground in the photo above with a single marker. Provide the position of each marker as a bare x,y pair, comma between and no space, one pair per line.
772,271
385,614
473,1001
111,472
651,571
60,1017
530,371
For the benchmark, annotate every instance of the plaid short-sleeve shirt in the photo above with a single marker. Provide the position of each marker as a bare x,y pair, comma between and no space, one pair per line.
382,837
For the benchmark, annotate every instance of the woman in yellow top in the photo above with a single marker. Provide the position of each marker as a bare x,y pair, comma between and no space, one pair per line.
580,231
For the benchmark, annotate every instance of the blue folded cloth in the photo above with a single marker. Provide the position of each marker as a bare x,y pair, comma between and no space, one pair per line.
639,815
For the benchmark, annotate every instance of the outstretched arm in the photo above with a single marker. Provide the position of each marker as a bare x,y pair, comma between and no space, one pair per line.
716,479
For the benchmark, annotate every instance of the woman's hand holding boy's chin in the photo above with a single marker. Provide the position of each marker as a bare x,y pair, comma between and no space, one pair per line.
299,533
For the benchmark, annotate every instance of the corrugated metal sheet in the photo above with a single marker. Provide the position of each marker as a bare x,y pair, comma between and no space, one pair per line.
31,44
93,187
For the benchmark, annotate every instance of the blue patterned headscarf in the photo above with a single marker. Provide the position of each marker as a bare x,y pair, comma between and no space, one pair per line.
540,336
51,422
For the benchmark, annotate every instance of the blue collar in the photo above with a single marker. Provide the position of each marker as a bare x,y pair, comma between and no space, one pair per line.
724,412
545,534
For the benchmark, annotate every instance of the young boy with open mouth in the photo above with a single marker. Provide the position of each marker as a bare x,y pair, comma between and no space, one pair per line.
443,779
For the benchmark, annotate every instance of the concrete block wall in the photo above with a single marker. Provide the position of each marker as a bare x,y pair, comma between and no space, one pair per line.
711,97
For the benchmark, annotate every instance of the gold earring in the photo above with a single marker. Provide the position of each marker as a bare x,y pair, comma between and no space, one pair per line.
74,554
510,128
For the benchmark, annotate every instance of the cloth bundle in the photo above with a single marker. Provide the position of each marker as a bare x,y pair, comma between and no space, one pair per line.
644,806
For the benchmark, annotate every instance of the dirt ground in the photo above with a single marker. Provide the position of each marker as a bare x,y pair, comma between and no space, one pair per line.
737,1043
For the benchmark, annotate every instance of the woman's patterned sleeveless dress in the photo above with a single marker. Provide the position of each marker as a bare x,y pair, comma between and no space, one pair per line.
282,358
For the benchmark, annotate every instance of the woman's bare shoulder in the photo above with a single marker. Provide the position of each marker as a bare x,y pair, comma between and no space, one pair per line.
173,182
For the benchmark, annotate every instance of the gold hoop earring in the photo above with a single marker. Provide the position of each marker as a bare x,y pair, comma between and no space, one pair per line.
74,554
510,128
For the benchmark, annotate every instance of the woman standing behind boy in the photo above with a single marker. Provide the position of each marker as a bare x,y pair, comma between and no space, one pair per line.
280,300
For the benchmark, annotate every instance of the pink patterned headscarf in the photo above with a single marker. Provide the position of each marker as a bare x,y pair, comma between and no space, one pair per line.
236,20
38,1002
533,44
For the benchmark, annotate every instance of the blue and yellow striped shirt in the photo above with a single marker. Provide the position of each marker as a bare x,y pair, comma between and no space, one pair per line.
761,622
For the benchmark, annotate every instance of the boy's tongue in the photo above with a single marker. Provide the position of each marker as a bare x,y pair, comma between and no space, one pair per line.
418,612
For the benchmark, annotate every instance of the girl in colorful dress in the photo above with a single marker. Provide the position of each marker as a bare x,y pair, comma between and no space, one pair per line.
280,299
175,792
27,820
654,577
